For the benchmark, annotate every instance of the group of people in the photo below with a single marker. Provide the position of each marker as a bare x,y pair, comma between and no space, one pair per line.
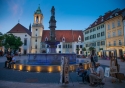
10,60
96,73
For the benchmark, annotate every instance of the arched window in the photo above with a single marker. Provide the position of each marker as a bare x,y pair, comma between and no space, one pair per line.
37,19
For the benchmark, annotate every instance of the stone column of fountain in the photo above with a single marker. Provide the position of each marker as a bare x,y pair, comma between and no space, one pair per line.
52,25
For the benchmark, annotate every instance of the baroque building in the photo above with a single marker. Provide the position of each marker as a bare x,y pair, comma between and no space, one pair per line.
34,38
106,33
115,32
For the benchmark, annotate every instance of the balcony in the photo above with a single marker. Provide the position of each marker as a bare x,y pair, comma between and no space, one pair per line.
116,44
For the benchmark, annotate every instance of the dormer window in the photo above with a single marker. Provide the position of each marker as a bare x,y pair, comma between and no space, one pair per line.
95,23
79,38
46,39
63,39
102,20
116,14
110,16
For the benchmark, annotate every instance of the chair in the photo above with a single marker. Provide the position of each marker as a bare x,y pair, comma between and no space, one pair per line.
100,83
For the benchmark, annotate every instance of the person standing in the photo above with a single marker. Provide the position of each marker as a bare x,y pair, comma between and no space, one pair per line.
92,60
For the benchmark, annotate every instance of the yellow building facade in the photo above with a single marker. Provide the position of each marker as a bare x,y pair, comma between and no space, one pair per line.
115,34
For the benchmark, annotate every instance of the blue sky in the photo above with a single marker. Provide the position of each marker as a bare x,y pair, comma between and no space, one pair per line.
70,14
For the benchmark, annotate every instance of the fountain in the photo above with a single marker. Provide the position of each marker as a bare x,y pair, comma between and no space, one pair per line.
47,62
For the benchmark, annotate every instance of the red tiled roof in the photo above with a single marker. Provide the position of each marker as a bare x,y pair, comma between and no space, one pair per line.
105,17
99,20
19,29
69,35
77,33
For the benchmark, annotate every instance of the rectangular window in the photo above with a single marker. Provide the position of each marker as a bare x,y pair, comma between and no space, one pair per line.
25,41
114,43
113,25
102,33
80,46
70,46
80,52
98,43
36,40
99,27
47,46
91,30
59,46
119,32
108,35
118,22
77,46
108,27
102,42
120,42
86,45
98,35
64,46
35,46
109,44
94,44
113,34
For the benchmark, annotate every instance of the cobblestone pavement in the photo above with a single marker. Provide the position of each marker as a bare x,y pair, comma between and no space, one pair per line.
20,79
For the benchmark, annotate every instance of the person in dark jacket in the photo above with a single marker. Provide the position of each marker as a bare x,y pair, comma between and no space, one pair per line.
82,72
9,59
92,60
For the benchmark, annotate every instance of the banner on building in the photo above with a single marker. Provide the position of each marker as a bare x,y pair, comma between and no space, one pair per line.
64,71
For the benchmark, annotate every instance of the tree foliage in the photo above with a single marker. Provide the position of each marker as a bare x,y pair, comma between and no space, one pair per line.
1,40
12,42
77,49
91,48
83,49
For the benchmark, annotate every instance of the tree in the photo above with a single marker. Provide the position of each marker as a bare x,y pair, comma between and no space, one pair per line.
12,42
77,49
83,49
1,40
91,49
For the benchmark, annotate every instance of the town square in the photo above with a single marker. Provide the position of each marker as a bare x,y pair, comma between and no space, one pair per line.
62,44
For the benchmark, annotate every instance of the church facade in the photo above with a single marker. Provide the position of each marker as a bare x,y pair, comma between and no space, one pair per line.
71,41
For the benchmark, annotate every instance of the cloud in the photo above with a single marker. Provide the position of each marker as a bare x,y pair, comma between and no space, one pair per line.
16,7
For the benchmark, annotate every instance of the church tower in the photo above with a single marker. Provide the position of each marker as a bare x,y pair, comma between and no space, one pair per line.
37,30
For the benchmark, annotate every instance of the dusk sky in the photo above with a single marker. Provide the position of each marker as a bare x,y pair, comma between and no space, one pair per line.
70,14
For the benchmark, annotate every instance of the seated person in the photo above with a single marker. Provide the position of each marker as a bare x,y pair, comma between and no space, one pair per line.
9,59
12,62
99,74
81,72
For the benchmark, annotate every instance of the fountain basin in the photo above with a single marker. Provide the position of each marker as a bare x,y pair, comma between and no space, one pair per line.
46,68
49,58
